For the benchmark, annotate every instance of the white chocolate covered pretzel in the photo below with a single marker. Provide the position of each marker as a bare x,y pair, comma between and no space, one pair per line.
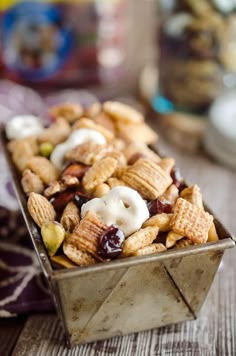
22,126
121,206
76,138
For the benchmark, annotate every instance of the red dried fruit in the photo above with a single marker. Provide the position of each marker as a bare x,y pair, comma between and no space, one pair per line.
111,241
159,206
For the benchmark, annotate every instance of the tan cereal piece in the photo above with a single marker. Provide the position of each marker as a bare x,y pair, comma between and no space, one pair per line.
185,242
143,150
191,221
147,178
80,258
160,220
85,153
119,156
171,193
120,170
93,110
167,164
133,132
171,239
101,190
122,112
118,144
193,195
115,182
70,217
212,234
40,209
31,182
43,168
70,112
105,121
90,124
99,173
22,151
62,260
86,234
56,133
147,250
139,239
16,145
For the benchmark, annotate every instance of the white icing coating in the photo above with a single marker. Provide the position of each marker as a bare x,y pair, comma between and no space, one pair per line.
176,24
22,126
225,6
122,206
76,138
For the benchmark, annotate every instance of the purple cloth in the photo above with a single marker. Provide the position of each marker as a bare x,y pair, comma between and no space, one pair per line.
22,287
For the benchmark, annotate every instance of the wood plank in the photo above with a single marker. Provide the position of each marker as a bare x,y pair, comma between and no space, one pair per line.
214,333
9,332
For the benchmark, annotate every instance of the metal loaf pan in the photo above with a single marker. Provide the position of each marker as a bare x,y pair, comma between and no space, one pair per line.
131,294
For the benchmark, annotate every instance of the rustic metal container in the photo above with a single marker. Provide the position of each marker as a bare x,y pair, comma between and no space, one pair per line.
131,294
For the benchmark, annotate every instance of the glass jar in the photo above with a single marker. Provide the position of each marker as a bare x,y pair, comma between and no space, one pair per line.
197,51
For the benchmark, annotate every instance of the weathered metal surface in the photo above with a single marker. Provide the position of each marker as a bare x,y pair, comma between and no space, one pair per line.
130,294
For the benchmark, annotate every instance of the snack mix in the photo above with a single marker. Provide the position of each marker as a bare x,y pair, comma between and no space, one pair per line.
96,193
197,51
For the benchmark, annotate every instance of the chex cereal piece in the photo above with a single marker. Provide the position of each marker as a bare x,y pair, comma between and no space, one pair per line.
212,233
119,156
147,250
160,220
147,178
81,258
185,242
122,112
56,133
31,182
171,193
191,221
139,239
167,164
43,168
99,173
21,151
193,195
115,182
90,124
70,217
68,111
93,110
31,141
141,149
120,170
40,209
85,153
105,121
86,234
132,132
171,239
101,190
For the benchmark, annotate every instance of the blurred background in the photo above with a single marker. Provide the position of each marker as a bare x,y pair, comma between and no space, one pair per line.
178,57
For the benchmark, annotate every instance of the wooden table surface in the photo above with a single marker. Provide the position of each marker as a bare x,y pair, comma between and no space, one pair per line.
214,333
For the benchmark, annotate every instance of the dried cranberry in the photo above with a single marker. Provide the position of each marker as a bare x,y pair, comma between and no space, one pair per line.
80,199
178,180
111,241
158,206
61,199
